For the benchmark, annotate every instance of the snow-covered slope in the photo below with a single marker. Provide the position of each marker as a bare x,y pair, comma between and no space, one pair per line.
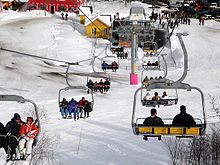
105,138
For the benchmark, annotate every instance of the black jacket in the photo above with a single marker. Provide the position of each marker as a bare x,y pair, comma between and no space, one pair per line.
2,132
13,127
156,121
184,119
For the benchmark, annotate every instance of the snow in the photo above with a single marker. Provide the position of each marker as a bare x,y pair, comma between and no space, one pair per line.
106,137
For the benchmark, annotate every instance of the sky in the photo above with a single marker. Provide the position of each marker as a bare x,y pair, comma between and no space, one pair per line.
106,137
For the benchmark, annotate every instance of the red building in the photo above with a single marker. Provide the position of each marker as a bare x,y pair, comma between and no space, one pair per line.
55,5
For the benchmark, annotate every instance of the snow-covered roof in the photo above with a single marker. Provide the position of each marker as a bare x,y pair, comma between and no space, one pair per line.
85,10
104,18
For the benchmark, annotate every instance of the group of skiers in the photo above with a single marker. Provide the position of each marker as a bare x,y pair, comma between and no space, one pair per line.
122,55
79,109
17,137
182,119
100,86
156,63
156,96
113,66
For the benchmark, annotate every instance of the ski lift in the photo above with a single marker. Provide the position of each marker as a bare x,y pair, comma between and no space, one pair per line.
20,99
150,48
81,93
107,63
168,129
148,101
96,78
154,63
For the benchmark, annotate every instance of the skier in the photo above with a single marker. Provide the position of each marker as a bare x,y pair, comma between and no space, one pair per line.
156,97
63,108
2,139
104,66
90,85
12,129
87,108
72,108
80,107
28,132
101,86
183,118
164,94
153,120
106,85
114,66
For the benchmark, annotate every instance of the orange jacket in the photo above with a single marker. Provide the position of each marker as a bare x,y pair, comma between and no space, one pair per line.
29,130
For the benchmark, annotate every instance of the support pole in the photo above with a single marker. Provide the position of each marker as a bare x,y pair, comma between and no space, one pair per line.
133,75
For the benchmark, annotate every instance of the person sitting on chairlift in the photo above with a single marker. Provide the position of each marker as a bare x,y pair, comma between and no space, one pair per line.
106,85
156,97
145,81
183,118
2,139
72,108
149,63
153,120
87,108
12,130
95,86
164,95
104,66
28,132
147,97
114,66
90,85
80,107
63,108
101,86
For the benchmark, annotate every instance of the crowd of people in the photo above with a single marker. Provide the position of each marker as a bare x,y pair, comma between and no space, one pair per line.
182,119
146,79
122,55
75,109
19,137
156,96
100,86
113,66
156,63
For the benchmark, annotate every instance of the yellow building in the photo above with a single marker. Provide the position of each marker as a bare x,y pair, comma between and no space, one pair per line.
98,26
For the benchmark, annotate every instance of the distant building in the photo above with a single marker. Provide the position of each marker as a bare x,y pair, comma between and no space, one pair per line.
98,26
55,5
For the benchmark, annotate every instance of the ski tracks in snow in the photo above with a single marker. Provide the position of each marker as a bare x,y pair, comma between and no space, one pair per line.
115,149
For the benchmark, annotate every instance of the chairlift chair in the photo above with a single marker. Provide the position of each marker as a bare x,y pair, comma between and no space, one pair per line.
22,100
83,89
150,47
168,129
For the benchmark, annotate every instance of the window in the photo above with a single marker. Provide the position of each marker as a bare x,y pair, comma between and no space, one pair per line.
94,31
106,31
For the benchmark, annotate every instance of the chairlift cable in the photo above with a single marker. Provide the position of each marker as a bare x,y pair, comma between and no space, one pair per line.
39,57
89,19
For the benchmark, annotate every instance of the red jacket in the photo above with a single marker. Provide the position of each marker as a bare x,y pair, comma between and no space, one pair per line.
29,130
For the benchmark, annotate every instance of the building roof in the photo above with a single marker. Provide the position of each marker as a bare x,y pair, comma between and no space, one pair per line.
85,10
106,19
